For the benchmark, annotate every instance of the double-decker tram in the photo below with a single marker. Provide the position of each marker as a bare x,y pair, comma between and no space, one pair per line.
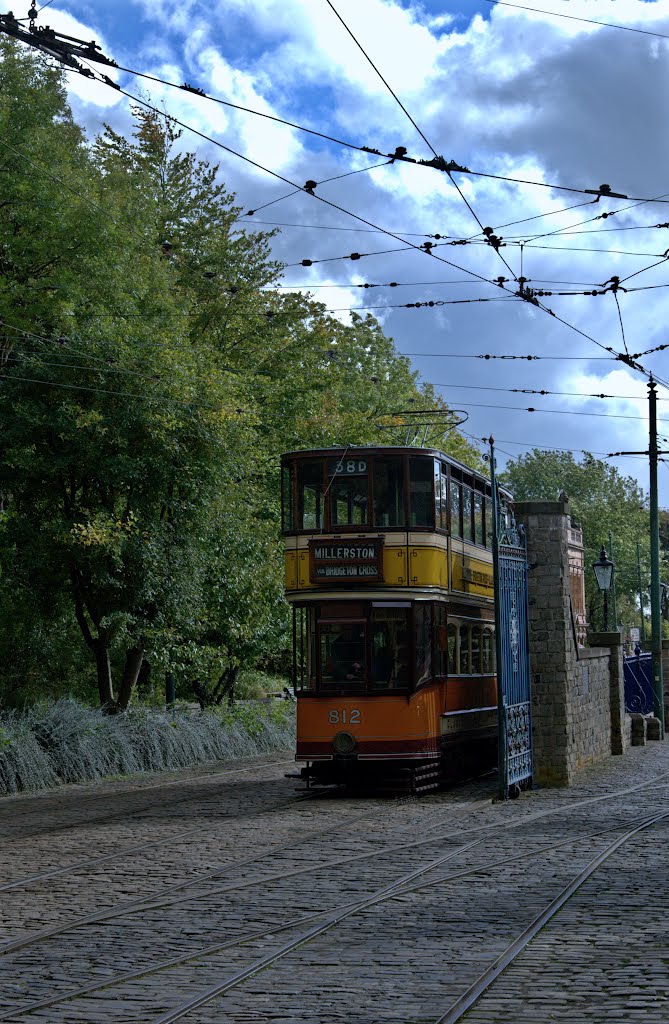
389,574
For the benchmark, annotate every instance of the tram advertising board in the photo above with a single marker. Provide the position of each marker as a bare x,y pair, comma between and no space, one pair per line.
341,560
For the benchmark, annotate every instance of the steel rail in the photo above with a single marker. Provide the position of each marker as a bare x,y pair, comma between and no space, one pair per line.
151,902
209,777
486,979
389,891
220,869
144,903
293,923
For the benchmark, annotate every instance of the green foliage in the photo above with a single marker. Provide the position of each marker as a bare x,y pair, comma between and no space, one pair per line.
150,376
601,501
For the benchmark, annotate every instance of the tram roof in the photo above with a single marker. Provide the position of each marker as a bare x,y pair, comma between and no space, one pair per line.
371,449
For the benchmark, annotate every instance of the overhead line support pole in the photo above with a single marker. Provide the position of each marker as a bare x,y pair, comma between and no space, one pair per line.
655,604
643,617
501,709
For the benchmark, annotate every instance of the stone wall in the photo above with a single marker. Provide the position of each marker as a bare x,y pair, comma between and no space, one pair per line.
665,677
577,704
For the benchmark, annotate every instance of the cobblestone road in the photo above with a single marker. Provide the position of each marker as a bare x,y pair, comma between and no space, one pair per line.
124,901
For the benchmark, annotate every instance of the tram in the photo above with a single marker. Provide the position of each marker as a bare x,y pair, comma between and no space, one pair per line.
388,568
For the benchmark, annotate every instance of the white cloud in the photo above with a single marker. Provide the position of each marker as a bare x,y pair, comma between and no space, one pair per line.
518,94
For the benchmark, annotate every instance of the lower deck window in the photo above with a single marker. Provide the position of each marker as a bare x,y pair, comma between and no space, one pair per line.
343,654
381,647
391,648
471,648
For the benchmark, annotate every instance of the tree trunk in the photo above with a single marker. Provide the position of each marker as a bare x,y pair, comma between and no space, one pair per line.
226,686
133,663
103,666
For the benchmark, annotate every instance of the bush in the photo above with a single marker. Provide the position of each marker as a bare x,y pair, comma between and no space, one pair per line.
66,741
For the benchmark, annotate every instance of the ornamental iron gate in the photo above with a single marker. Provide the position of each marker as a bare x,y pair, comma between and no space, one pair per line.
513,663
638,675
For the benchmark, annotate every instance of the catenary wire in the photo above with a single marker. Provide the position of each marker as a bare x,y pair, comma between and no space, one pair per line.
357,217
573,17
192,90
324,181
420,132
385,82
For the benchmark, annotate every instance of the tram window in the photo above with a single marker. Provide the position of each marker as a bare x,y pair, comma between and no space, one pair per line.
466,513
421,491
342,655
456,509
310,495
441,641
423,642
389,508
287,519
348,501
488,522
444,498
437,493
464,667
478,518
488,650
305,647
390,648
453,665
476,650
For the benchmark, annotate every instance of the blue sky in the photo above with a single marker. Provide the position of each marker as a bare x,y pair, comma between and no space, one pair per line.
501,90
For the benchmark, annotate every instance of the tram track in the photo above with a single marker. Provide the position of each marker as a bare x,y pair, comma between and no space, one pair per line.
398,889
152,901
486,979
332,917
125,814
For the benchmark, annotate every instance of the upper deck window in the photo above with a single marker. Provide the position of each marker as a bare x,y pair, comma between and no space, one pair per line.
479,537
348,492
310,495
456,508
389,504
421,484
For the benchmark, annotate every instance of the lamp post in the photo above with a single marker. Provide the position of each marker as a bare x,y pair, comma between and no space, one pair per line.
603,569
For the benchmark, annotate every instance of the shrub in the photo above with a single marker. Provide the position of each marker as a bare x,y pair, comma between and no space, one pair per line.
66,741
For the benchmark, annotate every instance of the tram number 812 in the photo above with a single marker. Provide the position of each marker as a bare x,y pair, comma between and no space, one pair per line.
340,717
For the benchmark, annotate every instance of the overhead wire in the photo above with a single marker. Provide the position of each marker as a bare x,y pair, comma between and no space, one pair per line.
357,217
314,184
400,157
543,391
423,136
573,17
322,199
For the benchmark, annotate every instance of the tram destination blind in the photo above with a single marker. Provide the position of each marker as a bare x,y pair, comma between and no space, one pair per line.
346,560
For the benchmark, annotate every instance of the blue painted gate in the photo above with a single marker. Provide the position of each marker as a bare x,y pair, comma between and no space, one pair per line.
513,662
638,671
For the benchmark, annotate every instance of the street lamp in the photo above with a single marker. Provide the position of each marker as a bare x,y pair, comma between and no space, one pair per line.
603,570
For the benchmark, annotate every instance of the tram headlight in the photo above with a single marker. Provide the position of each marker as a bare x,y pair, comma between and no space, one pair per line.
344,743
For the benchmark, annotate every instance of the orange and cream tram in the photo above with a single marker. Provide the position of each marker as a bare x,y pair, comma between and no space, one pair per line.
389,573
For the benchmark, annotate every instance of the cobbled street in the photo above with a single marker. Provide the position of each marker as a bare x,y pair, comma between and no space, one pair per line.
227,894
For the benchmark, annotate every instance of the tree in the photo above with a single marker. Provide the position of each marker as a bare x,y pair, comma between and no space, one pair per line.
108,471
602,501
151,377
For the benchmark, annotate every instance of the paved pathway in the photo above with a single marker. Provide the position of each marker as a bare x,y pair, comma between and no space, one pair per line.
208,865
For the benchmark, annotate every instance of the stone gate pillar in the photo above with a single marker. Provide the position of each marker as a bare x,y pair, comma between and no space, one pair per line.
553,656
577,710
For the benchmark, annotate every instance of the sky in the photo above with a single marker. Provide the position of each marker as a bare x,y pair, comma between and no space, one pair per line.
547,98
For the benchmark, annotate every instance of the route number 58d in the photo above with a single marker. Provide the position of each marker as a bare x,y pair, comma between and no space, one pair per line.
343,717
